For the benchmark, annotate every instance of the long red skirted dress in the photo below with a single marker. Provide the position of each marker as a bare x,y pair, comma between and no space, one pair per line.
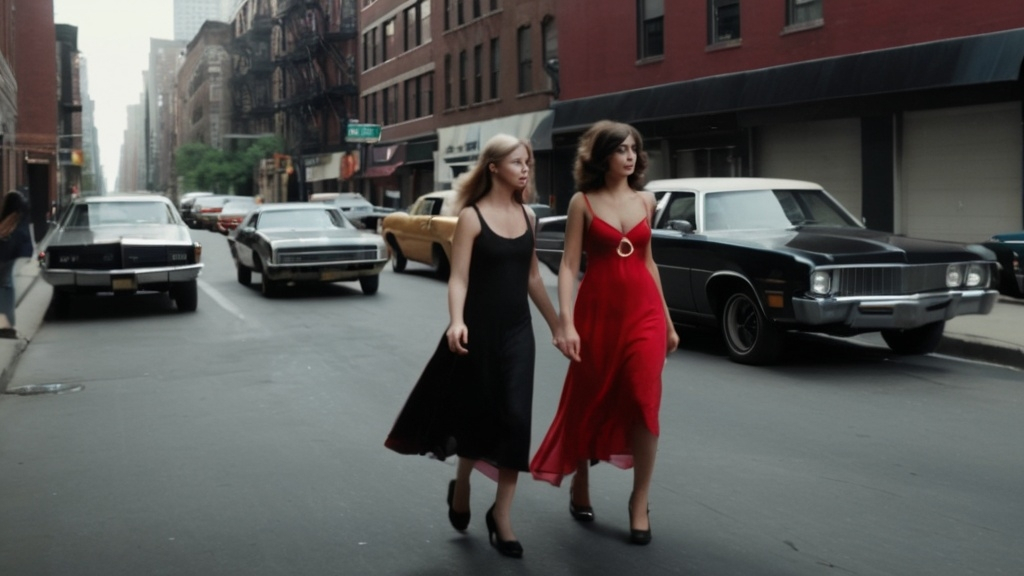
620,318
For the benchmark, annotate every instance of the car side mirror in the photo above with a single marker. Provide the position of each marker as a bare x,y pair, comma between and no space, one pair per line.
683,226
246,230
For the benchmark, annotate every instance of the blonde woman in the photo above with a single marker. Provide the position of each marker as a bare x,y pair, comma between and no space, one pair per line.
475,396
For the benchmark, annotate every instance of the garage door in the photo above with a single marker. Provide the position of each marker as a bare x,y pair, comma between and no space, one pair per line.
961,172
826,152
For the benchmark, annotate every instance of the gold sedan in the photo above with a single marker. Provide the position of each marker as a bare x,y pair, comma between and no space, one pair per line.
424,233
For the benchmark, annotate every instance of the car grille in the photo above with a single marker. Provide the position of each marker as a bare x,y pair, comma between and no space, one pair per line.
891,280
117,256
326,254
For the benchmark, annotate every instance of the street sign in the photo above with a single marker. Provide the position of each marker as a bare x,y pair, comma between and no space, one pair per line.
363,133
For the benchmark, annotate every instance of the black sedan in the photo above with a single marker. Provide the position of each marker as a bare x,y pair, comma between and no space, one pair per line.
121,244
757,257
305,242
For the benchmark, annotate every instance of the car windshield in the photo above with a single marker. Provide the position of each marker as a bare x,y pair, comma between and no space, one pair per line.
92,215
236,207
771,209
302,219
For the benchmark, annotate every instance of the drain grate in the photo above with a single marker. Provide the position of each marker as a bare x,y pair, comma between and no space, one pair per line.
34,389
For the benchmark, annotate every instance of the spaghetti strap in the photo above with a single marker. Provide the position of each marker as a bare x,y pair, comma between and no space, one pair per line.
587,200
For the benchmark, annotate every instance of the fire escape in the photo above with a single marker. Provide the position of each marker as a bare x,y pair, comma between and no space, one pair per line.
253,67
318,62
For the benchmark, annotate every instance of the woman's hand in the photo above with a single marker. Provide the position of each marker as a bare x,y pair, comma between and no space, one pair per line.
672,339
569,342
458,338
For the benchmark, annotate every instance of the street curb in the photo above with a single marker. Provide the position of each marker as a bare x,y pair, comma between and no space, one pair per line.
33,300
982,349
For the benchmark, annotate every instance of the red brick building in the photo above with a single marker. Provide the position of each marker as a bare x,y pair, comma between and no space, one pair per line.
443,76
910,113
35,65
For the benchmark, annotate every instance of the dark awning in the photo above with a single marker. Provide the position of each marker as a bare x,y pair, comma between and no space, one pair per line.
384,160
960,62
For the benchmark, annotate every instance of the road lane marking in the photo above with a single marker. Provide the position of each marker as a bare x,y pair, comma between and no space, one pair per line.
221,299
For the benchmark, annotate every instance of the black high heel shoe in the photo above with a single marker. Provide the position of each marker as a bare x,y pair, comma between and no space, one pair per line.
580,513
510,548
639,537
459,520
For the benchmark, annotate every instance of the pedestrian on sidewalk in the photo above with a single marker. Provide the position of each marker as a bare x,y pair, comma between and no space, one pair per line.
475,396
15,242
616,334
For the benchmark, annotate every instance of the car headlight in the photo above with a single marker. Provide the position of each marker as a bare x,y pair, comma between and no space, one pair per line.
821,282
977,275
954,275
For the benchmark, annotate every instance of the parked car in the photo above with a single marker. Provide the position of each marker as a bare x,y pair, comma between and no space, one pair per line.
423,233
1009,250
231,214
355,207
121,244
206,208
756,258
305,242
186,204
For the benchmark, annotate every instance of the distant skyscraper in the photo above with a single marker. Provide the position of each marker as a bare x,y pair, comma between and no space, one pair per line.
189,15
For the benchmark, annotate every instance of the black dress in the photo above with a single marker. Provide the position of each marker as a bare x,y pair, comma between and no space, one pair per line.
478,406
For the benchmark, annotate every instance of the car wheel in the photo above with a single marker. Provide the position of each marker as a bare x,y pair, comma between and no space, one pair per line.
441,266
749,335
369,284
921,340
185,295
398,260
244,275
268,287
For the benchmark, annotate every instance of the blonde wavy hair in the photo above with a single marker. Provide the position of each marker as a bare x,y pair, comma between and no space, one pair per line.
477,183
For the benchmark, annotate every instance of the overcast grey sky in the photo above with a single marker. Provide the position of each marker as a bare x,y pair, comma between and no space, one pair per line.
114,35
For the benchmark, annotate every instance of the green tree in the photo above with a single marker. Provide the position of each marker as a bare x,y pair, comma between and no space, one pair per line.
203,167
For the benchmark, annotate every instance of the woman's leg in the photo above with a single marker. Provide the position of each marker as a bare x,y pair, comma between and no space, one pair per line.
7,293
460,501
579,489
645,448
507,478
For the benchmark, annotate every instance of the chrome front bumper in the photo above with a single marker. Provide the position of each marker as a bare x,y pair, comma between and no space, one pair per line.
100,280
324,272
901,312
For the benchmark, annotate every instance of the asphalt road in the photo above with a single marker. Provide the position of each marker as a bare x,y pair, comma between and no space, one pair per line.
247,438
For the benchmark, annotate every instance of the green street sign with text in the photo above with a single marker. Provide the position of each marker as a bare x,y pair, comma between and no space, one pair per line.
363,133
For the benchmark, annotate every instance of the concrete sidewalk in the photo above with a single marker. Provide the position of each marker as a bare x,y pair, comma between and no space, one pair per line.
997,337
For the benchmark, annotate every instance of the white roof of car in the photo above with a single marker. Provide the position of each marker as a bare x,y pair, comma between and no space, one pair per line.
729,184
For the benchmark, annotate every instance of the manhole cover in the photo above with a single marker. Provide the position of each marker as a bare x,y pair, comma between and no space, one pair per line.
34,389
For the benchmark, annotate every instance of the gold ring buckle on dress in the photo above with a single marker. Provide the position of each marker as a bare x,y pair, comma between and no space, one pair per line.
625,247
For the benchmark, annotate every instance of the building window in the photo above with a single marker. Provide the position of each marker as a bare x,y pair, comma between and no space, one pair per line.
476,8
495,67
723,20
651,28
447,81
525,60
448,14
391,105
478,73
550,49
410,35
460,12
424,8
427,93
494,5
389,48
411,96
462,78
802,11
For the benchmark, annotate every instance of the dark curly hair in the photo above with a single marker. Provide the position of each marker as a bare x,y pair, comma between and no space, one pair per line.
595,147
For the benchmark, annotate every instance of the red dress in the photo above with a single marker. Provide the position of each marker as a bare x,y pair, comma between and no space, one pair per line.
620,317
